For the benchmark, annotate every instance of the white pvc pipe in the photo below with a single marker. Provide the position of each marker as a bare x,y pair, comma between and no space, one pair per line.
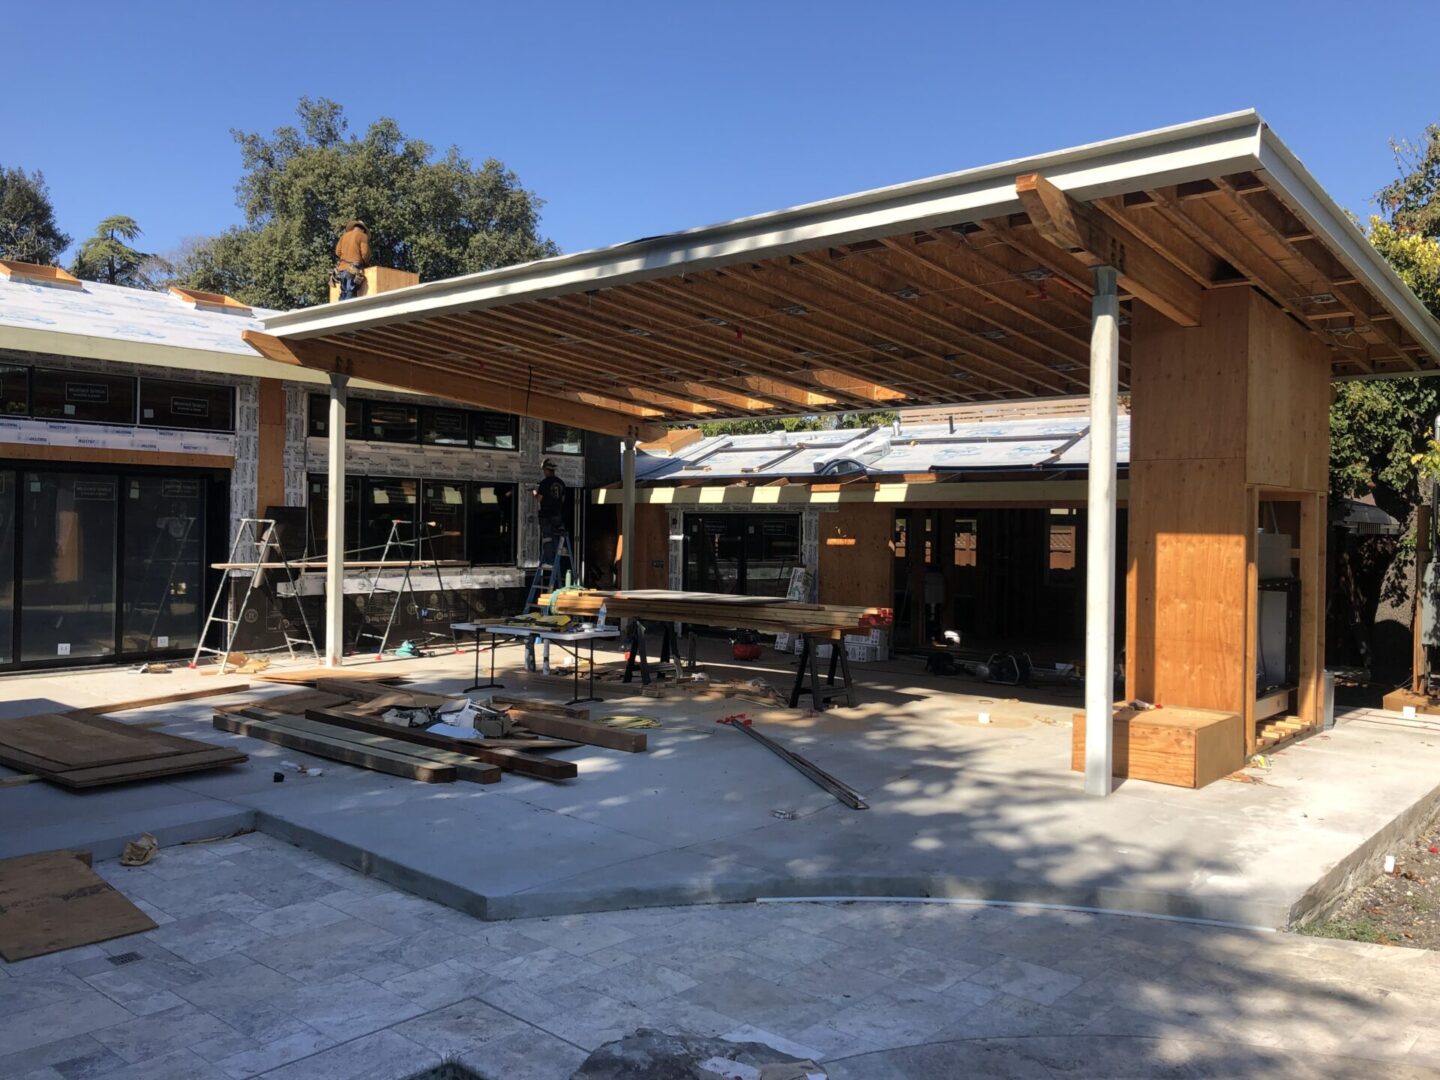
335,527
963,901
1100,534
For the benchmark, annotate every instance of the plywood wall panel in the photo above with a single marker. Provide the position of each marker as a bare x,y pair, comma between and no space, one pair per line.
856,562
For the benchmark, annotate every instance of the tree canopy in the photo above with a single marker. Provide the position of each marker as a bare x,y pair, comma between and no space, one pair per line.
760,425
107,256
28,232
438,216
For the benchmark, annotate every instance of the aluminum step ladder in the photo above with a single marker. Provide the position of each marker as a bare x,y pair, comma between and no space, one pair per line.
255,540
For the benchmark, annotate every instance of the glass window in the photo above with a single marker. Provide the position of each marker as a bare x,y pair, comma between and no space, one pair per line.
83,395
389,422
563,439
318,501
443,513
494,431
384,502
163,557
1060,557
197,406
14,390
320,417
492,524
444,427
7,566
67,586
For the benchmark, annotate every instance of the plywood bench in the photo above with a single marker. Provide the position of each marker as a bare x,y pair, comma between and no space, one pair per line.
1184,747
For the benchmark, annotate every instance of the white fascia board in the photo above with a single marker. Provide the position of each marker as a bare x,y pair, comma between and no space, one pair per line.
143,354
1296,188
1195,151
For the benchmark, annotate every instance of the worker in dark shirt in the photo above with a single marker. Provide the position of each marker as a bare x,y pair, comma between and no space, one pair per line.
550,495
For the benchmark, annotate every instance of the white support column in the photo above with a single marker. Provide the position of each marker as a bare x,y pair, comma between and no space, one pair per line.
627,514
1100,535
335,527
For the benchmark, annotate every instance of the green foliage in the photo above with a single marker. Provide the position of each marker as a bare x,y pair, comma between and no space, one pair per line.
107,256
28,231
437,216
761,425
1410,200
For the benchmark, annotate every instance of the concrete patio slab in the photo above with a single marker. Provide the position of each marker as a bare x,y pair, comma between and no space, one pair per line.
957,809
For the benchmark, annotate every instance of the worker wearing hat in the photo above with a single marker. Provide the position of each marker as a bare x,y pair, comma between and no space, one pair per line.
549,494
352,255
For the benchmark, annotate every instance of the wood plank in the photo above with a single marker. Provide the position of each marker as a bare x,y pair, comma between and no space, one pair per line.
467,766
404,765
54,901
310,676
583,731
214,757
511,760
161,699
72,744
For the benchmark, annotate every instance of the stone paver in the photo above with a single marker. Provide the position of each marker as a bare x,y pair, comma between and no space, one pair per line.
358,980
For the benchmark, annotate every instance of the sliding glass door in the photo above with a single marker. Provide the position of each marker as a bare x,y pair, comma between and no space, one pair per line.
67,565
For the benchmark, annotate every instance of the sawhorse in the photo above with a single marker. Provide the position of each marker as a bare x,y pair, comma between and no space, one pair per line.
637,658
810,664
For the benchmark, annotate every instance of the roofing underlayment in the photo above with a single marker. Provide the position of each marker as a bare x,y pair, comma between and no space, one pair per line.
120,313
1058,443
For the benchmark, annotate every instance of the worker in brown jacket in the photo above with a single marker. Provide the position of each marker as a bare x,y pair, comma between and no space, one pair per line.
352,254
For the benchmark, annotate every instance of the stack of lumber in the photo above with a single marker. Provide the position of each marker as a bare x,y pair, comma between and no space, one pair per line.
81,749
766,614
340,720
1276,732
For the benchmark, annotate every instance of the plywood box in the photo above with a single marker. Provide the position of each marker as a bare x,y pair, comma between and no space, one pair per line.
1183,747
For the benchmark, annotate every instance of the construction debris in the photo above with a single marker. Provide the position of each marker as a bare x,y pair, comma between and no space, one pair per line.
139,852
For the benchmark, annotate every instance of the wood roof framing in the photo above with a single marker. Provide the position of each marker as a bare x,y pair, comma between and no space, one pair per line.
968,287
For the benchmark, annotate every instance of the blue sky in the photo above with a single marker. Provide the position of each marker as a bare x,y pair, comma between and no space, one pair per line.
632,119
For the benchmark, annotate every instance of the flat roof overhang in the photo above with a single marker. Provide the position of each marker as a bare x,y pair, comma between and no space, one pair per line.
968,287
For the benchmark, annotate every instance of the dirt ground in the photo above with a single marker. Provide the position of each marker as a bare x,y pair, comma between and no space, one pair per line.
1402,908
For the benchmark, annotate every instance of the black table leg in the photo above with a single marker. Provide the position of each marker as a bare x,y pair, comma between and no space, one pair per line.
492,684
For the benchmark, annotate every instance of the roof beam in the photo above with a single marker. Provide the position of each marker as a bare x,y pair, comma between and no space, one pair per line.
448,384
1098,241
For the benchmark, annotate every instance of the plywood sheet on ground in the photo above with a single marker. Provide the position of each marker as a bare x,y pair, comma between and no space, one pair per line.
78,750
54,901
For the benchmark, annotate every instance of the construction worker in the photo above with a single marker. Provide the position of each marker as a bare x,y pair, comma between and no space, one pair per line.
352,255
549,494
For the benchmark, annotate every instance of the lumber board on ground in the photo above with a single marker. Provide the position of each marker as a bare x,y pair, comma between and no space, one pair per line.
295,703
405,765
512,760
161,699
310,676
582,731
157,769
54,901
467,767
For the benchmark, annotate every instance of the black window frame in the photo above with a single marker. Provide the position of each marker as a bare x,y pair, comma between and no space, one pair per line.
427,413
478,417
95,377
179,384
549,447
